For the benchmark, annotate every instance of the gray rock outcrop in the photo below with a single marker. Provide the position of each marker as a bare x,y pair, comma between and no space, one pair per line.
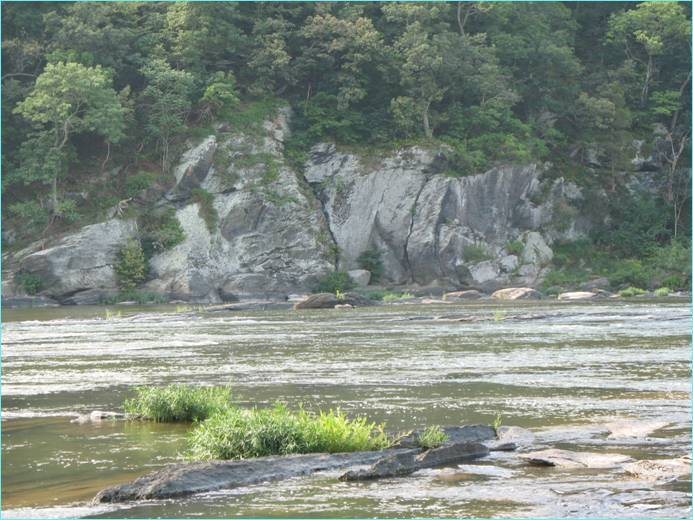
279,230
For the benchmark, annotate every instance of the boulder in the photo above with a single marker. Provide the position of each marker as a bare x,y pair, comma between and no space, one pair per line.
318,301
90,297
462,295
660,470
517,293
577,295
515,434
361,277
344,306
574,459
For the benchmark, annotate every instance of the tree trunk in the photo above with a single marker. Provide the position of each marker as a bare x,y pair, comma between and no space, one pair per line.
426,124
648,77
54,194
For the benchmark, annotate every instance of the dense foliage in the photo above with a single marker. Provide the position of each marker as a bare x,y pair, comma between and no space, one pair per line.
90,86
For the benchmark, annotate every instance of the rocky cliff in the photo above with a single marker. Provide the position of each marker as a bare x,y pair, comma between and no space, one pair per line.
279,230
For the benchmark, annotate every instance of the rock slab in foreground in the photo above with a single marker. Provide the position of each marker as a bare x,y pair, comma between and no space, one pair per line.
186,479
633,429
574,459
407,463
456,434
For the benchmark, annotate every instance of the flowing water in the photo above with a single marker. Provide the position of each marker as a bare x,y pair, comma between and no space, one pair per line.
560,369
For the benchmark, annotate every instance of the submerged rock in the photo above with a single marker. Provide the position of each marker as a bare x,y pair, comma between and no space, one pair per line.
633,429
517,293
98,416
574,459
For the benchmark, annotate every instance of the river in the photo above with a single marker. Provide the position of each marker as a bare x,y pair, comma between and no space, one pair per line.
560,369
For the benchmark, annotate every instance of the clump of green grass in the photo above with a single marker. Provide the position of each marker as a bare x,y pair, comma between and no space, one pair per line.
662,291
432,437
394,297
244,433
177,403
631,291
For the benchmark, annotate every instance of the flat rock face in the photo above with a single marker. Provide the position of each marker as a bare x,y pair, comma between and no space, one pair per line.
633,429
517,293
574,459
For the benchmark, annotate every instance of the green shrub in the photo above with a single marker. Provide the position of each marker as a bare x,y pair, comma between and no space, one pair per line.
206,209
238,434
160,231
674,281
516,247
177,403
475,253
133,295
370,260
132,267
30,213
432,437
67,209
31,283
662,291
632,291
630,272
134,184
333,282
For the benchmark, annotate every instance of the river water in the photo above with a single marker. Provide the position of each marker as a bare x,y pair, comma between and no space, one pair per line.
560,369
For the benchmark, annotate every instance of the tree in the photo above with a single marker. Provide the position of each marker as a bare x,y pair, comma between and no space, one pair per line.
167,100
649,32
420,59
68,99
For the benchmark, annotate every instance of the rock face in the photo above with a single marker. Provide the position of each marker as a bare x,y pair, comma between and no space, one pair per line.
279,230
432,227
79,262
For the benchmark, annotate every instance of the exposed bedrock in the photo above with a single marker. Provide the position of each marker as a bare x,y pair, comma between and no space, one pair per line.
279,230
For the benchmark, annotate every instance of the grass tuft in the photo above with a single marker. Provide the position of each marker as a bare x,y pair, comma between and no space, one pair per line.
432,437
244,433
631,291
177,403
